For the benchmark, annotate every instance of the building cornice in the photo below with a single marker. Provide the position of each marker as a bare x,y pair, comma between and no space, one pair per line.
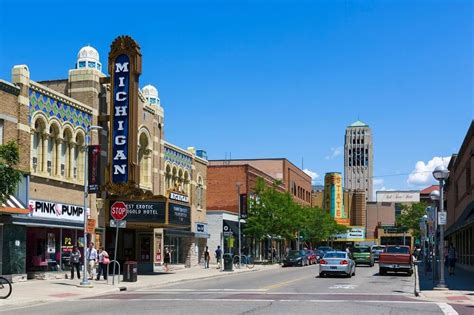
9,87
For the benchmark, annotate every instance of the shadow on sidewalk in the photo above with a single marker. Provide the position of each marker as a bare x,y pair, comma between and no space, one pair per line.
462,280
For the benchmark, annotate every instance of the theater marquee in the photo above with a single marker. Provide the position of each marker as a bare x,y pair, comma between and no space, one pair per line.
124,69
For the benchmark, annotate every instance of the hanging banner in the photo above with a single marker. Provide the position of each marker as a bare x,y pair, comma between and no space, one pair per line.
243,206
93,158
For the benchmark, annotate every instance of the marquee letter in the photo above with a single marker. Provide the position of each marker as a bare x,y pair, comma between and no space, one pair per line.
121,81
121,67
120,123
119,169
121,111
120,140
120,155
118,97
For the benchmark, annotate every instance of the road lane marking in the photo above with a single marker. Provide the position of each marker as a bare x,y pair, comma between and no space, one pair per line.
446,308
282,284
286,301
344,286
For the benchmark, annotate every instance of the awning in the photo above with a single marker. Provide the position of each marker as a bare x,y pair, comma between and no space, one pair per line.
13,206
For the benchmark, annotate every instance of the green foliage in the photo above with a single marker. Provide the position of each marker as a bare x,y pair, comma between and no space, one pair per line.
9,176
273,213
410,217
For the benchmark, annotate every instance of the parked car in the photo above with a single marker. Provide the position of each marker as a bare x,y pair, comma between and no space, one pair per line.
319,255
363,255
377,250
296,258
396,258
337,263
325,249
311,255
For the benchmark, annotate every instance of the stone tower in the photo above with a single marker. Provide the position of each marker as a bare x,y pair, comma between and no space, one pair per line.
359,158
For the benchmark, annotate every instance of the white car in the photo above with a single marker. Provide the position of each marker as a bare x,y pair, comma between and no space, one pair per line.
337,263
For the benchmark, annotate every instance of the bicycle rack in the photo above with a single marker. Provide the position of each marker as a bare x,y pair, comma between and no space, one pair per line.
113,276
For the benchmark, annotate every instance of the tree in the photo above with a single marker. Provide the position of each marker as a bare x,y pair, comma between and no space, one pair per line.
410,217
9,175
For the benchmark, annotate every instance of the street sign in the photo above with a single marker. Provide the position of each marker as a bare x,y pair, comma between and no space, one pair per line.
121,224
118,211
442,218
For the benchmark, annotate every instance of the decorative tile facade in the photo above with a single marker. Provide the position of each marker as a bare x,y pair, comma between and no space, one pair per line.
54,108
178,158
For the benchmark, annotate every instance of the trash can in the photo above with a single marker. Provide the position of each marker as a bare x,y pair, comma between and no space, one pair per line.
130,271
228,265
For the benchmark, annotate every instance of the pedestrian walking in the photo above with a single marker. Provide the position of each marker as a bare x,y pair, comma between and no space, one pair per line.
207,258
91,260
166,259
75,260
218,253
451,258
104,260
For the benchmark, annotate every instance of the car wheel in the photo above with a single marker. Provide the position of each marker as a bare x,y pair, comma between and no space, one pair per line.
349,275
382,272
321,275
410,272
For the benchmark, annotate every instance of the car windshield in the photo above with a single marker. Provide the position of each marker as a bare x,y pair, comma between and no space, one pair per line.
397,250
325,248
293,253
361,250
335,255
378,247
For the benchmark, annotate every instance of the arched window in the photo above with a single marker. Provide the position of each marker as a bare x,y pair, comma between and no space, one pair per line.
199,192
53,150
38,142
79,154
186,183
144,160
174,173
180,180
66,154
168,178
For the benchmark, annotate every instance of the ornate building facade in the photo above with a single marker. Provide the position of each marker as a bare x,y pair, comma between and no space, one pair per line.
51,121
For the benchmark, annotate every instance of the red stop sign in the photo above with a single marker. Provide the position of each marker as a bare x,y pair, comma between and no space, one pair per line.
118,211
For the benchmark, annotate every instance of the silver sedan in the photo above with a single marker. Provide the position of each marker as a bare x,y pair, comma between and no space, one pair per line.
337,263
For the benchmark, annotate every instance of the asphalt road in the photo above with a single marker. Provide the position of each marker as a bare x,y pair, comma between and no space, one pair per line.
278,291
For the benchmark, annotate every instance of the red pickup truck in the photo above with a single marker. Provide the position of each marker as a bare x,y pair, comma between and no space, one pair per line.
396,258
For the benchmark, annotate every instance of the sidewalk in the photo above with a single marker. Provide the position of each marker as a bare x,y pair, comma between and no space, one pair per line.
46,291
460,287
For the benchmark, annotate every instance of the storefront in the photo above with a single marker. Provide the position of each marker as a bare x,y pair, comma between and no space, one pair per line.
52,229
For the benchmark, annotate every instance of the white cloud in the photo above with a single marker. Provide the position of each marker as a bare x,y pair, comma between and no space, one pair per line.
335,152
314,175
422,174
378,182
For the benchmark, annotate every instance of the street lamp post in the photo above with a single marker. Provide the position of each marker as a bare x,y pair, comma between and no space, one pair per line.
441,174
85,280
434,196
238,202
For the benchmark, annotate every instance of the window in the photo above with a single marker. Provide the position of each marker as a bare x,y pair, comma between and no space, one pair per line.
199,192
144,160
1,131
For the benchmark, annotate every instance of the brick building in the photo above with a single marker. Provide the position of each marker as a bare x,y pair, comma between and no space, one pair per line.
228,180
51,121
460,201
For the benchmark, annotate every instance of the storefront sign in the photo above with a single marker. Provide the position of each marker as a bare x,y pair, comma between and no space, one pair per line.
146,211
201,228
442,218
398,196
91,226
55,211
121,112
94,168
179,214
179,197
352,233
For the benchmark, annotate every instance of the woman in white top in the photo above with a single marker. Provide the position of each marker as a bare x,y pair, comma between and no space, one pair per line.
103,262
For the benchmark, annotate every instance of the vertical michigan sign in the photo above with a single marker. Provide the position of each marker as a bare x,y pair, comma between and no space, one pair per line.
124,69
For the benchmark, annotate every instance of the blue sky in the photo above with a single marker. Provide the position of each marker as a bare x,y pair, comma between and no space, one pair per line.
278,78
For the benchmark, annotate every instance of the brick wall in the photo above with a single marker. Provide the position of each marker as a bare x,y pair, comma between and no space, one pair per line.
383,212
221,186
